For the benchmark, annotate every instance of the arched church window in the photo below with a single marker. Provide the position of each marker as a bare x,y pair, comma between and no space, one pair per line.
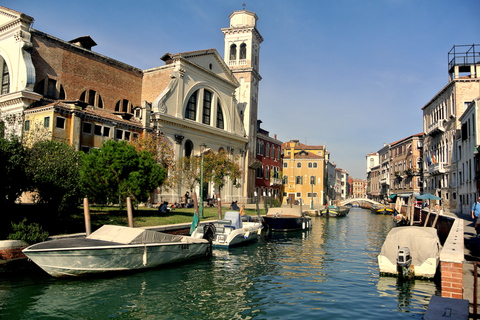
191,110
220,123
243,51
123,105
5,76
233,52
207,107
92,98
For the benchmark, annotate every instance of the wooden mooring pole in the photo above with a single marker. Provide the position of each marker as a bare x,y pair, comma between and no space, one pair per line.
88,222
129,212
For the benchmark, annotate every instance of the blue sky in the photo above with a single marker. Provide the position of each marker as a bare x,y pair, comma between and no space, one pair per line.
349,74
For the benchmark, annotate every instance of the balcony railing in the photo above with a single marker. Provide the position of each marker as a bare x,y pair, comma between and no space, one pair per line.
436,128
436,168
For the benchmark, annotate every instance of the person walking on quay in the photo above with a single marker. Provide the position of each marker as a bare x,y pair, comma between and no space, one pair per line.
476,214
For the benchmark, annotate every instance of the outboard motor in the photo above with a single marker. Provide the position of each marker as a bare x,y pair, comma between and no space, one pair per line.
404,261
209,234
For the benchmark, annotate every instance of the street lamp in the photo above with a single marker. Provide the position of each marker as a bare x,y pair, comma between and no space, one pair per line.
312,181
203,147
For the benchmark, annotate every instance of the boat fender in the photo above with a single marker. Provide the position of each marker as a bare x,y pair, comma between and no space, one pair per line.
303,224
145,255
247,234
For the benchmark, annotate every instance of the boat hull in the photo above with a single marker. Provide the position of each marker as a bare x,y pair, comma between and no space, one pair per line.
285,223
82,256
228,236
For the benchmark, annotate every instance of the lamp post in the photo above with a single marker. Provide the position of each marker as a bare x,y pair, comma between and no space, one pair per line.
312,181
203,146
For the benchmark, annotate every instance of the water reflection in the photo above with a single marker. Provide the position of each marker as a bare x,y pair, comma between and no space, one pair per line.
328,272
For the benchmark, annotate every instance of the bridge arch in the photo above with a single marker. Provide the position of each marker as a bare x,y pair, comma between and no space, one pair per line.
347,201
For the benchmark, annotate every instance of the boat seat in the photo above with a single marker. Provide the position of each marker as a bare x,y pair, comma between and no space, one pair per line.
225,223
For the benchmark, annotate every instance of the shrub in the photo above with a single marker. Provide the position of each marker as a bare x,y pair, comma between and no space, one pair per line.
30,233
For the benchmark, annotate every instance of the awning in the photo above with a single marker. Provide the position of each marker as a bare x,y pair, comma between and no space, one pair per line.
392,196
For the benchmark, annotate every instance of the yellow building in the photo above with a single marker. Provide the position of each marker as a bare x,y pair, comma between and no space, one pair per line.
303,173
81,126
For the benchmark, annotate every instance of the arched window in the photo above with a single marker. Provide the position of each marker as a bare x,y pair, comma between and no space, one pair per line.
207,107
220,123
92,98
233,52
5,76
299,180
191,110
188,148
243,51
123,106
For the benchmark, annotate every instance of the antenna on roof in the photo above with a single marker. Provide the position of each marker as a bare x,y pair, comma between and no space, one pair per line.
244,5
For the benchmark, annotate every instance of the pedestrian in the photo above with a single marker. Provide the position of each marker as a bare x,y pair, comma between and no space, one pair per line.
476,214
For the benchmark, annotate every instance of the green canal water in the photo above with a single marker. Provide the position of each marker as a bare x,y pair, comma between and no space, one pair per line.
329,272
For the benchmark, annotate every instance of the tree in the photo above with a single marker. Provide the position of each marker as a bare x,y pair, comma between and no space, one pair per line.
53,168
161,150
217,167
13,179
117,171
186,173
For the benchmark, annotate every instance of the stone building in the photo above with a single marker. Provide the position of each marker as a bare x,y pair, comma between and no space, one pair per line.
195,99
467,157
269,156
406,165
441,122
304,173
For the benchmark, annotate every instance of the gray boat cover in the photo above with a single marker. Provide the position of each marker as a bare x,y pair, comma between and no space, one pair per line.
128,235
296,212
422,241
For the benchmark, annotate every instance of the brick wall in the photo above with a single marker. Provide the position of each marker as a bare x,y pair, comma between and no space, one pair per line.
11,253
11,249
452,279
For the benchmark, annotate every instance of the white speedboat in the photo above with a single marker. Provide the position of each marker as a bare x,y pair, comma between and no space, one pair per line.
230,231
114,248
417,248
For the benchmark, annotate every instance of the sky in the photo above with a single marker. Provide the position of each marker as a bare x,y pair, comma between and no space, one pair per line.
348,74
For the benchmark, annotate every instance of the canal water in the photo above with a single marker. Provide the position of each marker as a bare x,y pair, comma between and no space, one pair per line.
329,272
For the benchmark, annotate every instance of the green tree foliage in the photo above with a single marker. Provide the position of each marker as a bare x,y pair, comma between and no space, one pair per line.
30,233
117,171
53,168
187,173
13,178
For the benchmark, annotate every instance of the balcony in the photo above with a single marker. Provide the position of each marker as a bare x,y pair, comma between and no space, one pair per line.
275,182
436,128
436,168
412,172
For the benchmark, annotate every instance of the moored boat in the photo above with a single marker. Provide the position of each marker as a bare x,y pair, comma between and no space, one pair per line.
230,231
114,248
287,219
421,244
381,209
334,211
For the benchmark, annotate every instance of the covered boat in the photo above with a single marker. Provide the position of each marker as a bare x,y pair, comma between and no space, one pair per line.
114,248
423,246
230,231
287,219
334,211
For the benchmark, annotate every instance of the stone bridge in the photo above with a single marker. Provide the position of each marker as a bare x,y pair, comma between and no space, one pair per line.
344,202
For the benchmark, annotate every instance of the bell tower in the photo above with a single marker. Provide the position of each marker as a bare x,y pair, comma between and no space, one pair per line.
242,53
